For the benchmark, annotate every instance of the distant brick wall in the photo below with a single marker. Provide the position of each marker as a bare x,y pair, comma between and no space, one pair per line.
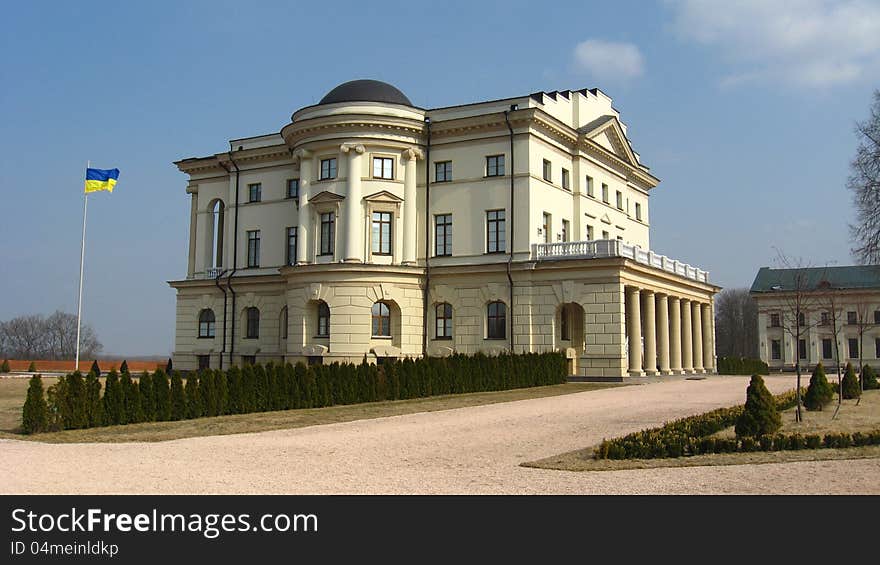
84,365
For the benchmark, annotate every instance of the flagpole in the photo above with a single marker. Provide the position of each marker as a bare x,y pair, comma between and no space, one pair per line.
82,257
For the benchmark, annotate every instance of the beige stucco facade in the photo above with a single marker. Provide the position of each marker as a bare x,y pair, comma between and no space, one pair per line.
535,237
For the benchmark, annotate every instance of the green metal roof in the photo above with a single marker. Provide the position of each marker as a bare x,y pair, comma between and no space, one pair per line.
849,277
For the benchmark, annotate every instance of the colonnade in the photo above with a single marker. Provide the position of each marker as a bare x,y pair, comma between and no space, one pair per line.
668,334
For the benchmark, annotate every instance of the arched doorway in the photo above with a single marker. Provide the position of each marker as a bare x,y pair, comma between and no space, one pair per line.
569,332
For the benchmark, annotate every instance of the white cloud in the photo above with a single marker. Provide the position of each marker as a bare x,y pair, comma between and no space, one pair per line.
609,60
813,43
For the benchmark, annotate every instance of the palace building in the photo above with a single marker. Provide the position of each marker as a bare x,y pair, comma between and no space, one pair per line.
371,227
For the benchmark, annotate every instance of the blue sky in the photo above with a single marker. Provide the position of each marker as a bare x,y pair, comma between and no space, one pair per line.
745,110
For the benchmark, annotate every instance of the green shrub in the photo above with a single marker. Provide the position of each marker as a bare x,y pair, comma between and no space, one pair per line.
178,398
813,441
148,397
94,404
114,404
32,368
124,367
162,396
131,399
95,368
742,366
760,415
35,413
819,392
4,368
850,383
869,378
75,411
193,397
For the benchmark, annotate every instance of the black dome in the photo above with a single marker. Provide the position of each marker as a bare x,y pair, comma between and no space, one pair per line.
366,91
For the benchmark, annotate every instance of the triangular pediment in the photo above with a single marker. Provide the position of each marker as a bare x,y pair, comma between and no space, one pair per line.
605,219
607,132
325,196
383,196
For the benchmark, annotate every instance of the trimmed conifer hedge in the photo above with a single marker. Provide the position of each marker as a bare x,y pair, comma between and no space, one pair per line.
742,366
256,388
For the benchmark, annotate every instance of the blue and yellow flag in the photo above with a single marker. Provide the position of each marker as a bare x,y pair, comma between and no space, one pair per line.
101,179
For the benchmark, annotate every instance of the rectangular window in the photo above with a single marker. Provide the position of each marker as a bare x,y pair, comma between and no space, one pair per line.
548,172
328,233
293,188
774,320
853,348
496,237
851,318
495,166
565,179
606,235
802,349
253,323
204,362
590,192
255,192
546,228
638,211
827,352
443,326
823,319
619,196
605,193
253,252
589,232
291,246
381,233
564,230
248,359
443,234
383,168
877,347
775,349
443,171
328,168
877,317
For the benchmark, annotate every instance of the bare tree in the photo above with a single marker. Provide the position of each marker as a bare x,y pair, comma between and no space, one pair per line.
865,321
864,182
830,301
37,337
736,323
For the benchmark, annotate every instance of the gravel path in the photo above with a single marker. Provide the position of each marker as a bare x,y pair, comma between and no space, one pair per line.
462,451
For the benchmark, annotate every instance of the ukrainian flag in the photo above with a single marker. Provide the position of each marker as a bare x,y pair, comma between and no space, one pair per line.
101,179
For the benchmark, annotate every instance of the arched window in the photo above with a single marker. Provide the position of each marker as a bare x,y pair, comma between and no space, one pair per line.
206,323
381,320
283,322
496,327
323,319
253,323
443,321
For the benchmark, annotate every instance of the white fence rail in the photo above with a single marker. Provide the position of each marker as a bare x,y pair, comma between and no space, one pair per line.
603,248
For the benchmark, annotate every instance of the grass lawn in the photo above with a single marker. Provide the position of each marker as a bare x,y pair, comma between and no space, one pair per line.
852,418
14,391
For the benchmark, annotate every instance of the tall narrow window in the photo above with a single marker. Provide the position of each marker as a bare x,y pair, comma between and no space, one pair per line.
605,193
328,168
381,320
877,317
638,211
565,323
590,192
283,322
851,318
619,200
605,234
444,321
381,233
589,232
204,362
823,319
443,171
323,319
564,230
827,352
802,319
496,320
774,320
253,254
218,212
565,179
496,238
443,234
853,348
877,347
328,233
802,349
775,349
383,168
293,188
291,246
206,323
545,228
255,192
548,171
253,323
495,166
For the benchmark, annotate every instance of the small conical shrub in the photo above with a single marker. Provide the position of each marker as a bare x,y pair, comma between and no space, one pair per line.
819,393
193,399
178,398
148,397
124,367
131,400
35,413
74,413
760,416
162,396
113,402
869,378
168,367
95,368
850,384
4,368
32,368
94,407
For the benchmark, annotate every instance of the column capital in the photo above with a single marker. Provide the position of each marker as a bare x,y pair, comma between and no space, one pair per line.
356,147
302,154
412,153
648,292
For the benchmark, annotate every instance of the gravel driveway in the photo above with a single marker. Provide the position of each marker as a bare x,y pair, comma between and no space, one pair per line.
462,451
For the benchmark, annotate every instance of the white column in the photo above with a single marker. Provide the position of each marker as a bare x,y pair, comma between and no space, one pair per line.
663,333
634,331
303,230
687,350
410,219
650,333
354,249
708,339
193,218
697,325
675,333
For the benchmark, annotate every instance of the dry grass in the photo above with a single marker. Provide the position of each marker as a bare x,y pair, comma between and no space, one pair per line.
12,395
852,418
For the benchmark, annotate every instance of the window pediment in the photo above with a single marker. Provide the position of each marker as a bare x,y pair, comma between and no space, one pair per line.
383,196
326,196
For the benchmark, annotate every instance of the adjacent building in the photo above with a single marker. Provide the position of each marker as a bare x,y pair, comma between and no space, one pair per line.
371,227
831,306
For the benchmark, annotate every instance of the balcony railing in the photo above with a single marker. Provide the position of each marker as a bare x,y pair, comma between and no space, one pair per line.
604,248
212,273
